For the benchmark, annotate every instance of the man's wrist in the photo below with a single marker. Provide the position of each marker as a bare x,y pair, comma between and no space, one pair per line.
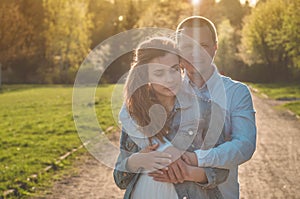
193,158
196,174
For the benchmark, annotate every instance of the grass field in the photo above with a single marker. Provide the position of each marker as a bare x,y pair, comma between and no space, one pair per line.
290,93
37,128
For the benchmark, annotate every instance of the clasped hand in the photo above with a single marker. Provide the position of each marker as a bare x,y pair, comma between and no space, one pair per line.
178,171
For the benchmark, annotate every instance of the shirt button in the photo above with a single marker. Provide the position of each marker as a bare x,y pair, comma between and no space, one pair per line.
190,132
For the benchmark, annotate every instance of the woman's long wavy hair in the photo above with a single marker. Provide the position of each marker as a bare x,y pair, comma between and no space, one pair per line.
139,95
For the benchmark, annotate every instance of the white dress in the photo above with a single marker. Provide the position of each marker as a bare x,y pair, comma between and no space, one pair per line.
147,188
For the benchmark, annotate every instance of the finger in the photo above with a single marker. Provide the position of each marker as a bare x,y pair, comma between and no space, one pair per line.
162,155
158,166
186,159
154,147
158,175
177,172
163,161
171,175
156,172
183,168
159,179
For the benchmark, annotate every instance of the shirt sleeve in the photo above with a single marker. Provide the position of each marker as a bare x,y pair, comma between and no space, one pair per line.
243,135
122,175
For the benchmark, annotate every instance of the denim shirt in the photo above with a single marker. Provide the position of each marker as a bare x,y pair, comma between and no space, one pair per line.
180,134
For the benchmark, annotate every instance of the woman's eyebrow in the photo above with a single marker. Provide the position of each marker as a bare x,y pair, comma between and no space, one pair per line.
175,65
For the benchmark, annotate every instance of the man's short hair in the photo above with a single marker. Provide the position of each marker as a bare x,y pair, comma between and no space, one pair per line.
197,21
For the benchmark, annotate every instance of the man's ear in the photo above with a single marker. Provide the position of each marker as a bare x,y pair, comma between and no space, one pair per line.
216,46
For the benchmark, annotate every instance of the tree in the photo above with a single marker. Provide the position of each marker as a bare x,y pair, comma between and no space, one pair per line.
262,39
15,34
226,54
165,14
291,32
67,37
233,11
103,14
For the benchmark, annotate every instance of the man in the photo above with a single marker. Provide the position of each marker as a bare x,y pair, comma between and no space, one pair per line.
234,98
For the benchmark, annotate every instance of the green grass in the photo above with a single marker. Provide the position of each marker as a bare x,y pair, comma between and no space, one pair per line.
282,91
36,128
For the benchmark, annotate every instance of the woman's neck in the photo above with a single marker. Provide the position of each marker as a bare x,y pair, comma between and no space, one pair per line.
167,101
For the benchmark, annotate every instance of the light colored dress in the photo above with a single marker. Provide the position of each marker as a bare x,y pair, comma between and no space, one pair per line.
147,188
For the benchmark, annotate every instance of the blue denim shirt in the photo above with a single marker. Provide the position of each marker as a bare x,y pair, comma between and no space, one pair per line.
126,180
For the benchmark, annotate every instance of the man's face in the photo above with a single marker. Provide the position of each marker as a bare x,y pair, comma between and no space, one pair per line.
198,48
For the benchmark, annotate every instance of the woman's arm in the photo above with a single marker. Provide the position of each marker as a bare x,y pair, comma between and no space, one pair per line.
122,176
133,160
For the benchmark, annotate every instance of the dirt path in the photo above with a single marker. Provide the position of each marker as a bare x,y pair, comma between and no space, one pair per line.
273,171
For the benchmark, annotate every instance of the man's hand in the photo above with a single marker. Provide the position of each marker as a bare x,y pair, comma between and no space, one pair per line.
177,172
190,158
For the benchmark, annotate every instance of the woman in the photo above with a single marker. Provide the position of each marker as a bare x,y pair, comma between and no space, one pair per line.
153,94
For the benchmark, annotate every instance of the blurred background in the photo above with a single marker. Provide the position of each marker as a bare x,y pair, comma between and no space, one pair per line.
46,41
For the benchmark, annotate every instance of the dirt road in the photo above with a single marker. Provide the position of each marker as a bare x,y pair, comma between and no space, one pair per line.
273,171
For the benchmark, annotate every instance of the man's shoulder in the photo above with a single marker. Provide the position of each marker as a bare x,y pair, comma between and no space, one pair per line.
233,85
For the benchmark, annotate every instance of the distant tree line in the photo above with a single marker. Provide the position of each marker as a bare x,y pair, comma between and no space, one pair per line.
45,41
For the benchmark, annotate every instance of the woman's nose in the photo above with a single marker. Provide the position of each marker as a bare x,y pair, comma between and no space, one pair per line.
169,77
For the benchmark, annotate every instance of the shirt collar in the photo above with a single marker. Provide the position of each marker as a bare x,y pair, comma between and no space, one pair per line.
183,99
211,82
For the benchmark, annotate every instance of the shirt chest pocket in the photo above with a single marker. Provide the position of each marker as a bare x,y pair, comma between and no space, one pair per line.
187,135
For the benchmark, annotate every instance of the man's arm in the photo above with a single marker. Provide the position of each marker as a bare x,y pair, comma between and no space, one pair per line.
243,135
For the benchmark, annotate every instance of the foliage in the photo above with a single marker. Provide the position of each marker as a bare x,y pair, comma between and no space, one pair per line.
45,41
226,55
165,14
268,37
67,36
15,32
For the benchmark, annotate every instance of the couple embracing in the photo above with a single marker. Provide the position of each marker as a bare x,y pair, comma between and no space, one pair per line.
185,127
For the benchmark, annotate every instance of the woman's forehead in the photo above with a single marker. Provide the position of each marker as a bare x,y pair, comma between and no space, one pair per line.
169,59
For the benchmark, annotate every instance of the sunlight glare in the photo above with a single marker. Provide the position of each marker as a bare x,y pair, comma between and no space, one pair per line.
195,2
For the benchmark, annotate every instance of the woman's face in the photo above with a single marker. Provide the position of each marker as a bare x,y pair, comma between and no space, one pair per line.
164,75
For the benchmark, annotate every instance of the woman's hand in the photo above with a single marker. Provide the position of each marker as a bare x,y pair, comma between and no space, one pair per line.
149,160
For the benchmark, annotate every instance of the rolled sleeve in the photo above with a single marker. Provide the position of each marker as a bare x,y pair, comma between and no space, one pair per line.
215,176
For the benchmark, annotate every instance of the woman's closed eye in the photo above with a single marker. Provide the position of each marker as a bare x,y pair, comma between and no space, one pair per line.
159,73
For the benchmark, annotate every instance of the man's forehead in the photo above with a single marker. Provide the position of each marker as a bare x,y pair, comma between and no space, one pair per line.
187,34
